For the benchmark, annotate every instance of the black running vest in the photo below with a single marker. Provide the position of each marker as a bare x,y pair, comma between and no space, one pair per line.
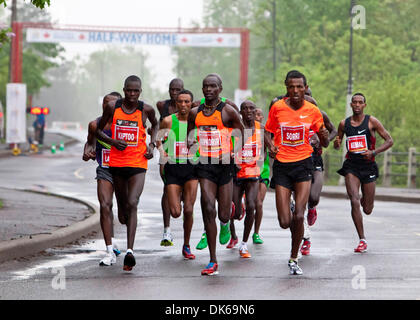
358,139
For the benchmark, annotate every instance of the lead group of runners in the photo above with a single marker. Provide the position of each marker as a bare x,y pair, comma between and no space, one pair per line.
227,152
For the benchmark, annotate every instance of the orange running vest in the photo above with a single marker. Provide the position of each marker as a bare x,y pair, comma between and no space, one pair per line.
249,155
129,127
213,137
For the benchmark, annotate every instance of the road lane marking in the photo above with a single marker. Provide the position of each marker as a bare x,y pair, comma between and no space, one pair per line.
78,175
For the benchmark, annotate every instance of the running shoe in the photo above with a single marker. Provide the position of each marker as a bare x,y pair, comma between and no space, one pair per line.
294,268
362,247
244,253
306,247
292,205
210,270
203,242
129,262
167,240
108,260
232,243
257,239
224,234
116,250
312,215
186,252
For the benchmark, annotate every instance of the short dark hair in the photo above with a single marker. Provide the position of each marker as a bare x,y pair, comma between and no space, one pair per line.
115,94
132,78
218,77
185,91
359,94
177,80
294,74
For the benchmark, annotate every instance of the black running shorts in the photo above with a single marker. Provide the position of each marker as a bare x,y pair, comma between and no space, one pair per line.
287,174
103,174
179,173
219,174
366,171
125,172
318,163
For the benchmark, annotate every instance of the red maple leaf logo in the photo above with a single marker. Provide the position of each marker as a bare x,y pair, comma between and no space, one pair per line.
220,39
82,37
46,35
184,39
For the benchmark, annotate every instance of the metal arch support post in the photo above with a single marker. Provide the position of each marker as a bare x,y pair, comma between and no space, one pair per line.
16,58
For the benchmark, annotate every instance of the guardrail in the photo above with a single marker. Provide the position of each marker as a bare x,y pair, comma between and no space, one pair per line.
397,165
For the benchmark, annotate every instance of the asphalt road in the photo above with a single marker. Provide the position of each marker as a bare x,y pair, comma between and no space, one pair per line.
389,270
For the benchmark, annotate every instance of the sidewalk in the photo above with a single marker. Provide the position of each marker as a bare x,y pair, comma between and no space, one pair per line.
49,139
32,221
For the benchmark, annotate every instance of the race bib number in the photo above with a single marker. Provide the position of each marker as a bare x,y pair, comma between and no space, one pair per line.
181,150
357,144
292,136
210,140
128,131
249,153
105,158
311,134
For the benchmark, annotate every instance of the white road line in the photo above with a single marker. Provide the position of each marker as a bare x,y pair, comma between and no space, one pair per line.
78,175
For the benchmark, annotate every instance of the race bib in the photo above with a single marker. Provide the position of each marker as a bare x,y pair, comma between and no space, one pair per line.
128,131
105,157
292,136
181,150
249,153
357,144
210,140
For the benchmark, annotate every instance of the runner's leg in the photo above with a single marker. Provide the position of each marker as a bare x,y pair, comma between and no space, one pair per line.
352,186
208,207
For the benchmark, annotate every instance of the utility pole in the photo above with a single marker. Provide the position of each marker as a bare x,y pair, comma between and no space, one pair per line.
12,20
350,79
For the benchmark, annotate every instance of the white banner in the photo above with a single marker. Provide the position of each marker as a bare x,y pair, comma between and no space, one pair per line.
16,113
241,96
135,38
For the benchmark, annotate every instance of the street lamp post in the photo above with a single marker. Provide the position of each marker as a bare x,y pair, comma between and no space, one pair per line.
350,79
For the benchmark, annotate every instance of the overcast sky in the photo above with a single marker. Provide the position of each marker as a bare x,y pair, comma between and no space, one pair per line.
130,13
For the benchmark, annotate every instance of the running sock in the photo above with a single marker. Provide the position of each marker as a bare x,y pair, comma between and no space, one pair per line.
242,245
167,230
364,240
109,248
130,251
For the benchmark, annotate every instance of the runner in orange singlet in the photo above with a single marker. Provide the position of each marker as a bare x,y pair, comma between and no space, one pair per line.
248,162
213,119
129,154
290,120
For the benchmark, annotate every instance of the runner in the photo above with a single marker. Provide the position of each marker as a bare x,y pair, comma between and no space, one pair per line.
290,120
246,181
129,154
360,168
317,178
166,108
263,185
180,175
94,150
213,120
202,244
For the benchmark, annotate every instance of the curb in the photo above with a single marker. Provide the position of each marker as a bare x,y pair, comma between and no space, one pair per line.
7,153
18,248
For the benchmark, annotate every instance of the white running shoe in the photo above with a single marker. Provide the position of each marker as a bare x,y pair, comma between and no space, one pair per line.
167,240
294,268
108,260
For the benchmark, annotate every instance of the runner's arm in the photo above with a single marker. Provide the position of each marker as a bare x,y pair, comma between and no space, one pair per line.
151,115
339,136
89,150
330,126
377,126
106,116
